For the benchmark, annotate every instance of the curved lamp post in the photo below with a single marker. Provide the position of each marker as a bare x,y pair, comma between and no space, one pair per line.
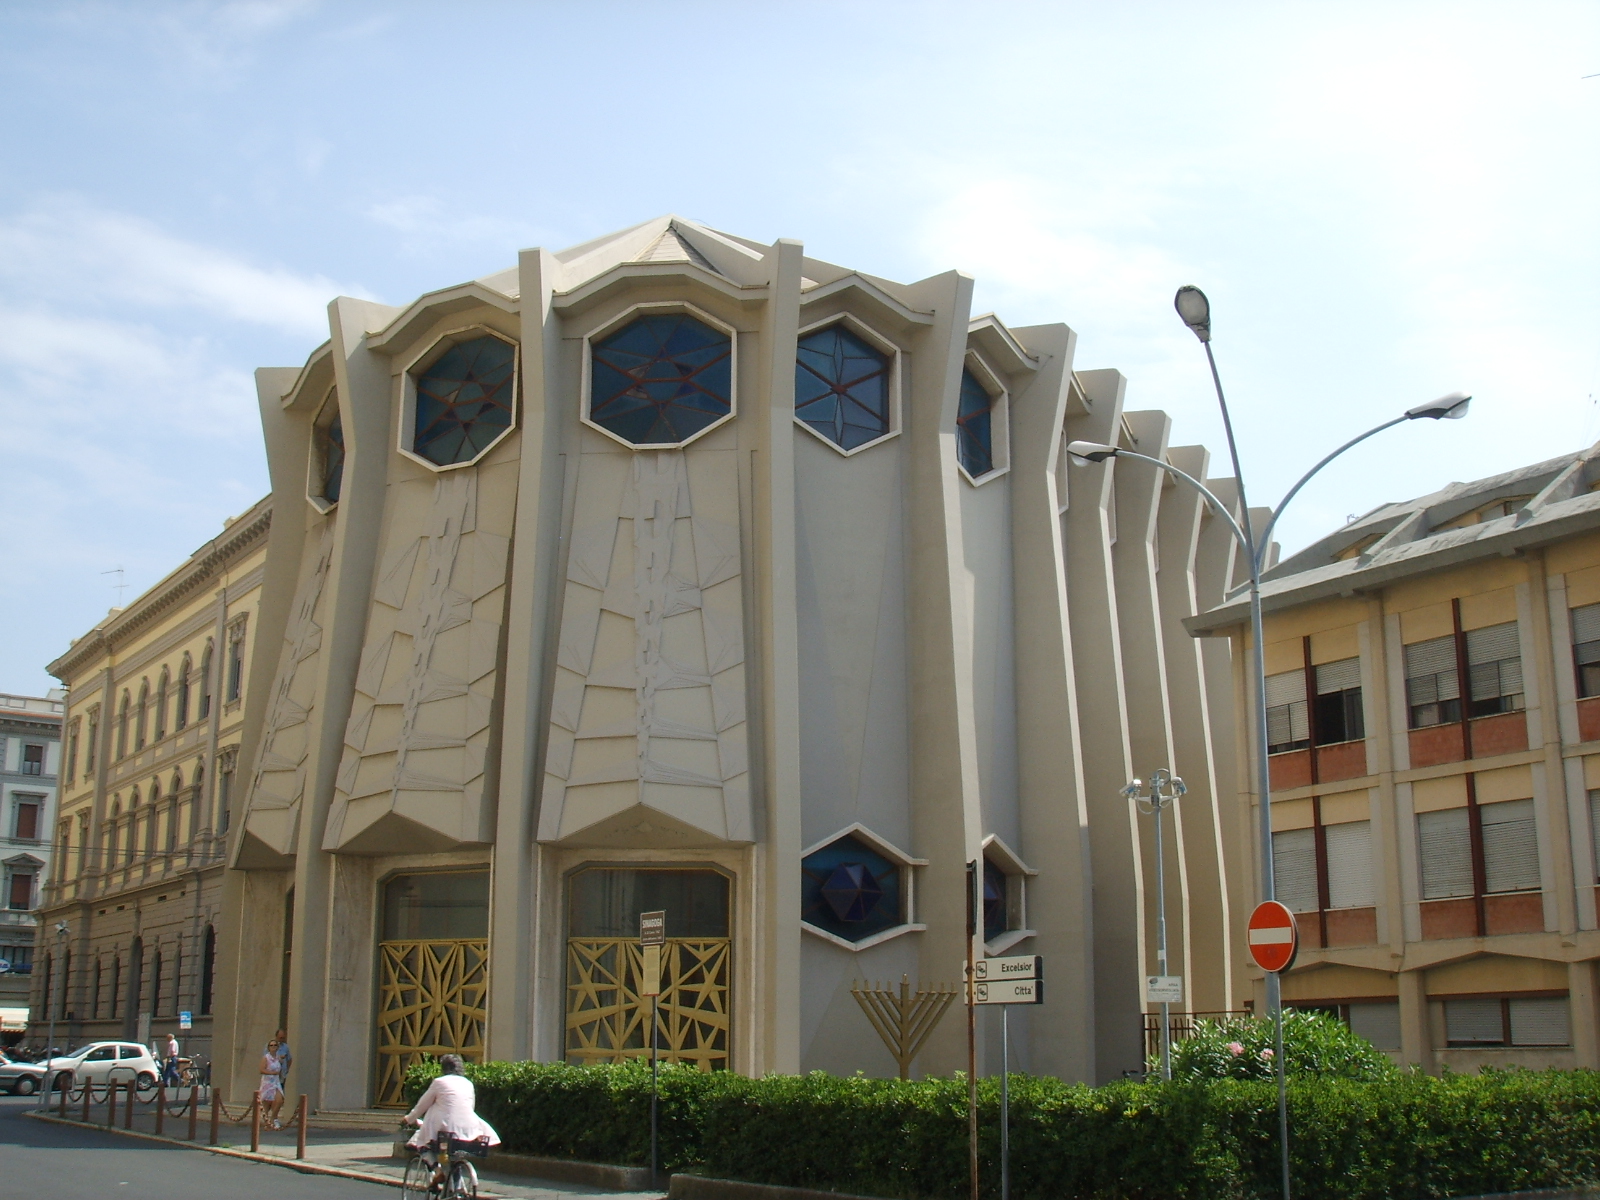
1195,310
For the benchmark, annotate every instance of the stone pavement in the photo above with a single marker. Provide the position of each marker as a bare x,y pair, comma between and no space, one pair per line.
353,1153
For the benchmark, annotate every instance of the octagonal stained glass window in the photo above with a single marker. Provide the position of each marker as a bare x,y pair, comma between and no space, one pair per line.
841,387
661,379
975,426
850,890
464,401
330,441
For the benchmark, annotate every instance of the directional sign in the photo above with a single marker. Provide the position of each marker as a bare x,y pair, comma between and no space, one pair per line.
653,929
1021,966
1163,989
1274,938
1011,991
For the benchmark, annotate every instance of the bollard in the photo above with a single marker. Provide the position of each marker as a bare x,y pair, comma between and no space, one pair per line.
62,1113
300,1133
88,1091
194,1108
111,1104
255,1123
216,1114
127,1120
161,1104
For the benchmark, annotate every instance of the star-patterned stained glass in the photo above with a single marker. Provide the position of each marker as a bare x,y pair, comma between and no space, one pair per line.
841,387
331,438
996,915
850,890
464,401
661,379
975,426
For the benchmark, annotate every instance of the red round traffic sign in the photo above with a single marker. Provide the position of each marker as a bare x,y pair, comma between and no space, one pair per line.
1273,936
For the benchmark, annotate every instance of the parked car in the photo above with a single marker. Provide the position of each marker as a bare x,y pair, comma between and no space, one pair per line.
103,1062
20,1078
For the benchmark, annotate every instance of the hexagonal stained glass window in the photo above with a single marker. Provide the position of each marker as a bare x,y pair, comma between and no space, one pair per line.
661,379
841,387
330,440
464,401
850,890
975,426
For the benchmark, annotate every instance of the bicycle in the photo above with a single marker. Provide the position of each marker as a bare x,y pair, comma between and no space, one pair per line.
461,1179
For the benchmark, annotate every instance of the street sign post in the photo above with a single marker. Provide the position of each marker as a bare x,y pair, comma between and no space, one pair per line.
1007,981
1163,989
1274,940
653,936
1011,991
186,1020
1021,966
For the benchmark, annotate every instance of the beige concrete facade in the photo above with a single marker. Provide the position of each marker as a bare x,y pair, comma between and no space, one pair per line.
757,653
155,711
1442,857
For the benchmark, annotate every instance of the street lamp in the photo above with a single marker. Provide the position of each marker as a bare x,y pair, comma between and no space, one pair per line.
1164,790
1195,310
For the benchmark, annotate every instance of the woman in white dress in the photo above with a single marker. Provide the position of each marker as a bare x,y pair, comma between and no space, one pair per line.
271,1087
449,1106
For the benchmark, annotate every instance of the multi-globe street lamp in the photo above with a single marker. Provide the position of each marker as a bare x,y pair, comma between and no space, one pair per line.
1195,310
1164,791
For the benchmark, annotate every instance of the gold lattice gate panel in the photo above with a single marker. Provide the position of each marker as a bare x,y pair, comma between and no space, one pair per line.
608,1021
431,1000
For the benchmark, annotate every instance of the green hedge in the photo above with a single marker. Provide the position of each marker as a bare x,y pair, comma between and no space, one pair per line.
1408,1137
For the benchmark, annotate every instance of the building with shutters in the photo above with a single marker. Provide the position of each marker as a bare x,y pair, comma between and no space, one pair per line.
156,705
1433,724
30,758
677,571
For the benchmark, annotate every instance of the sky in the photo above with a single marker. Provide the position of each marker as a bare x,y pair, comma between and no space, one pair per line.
1384,201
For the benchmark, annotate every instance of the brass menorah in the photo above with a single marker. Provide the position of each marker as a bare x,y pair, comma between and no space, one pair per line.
904,1021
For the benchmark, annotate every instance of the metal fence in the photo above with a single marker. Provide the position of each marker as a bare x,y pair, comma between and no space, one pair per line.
1182,1026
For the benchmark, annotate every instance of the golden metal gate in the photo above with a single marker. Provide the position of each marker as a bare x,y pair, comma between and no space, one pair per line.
608,1021
432,998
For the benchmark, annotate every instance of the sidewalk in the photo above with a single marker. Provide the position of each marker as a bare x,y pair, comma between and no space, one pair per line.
353,1153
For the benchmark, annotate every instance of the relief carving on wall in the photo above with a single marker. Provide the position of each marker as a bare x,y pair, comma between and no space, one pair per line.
648,740
412,770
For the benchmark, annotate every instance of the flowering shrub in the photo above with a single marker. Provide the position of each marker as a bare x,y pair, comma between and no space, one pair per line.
1313,1044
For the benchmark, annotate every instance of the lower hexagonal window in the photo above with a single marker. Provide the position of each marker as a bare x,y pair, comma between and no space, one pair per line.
850,890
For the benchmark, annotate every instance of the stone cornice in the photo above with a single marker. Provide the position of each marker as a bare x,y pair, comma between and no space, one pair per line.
239,538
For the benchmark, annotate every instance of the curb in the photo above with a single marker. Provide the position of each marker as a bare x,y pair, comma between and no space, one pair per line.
702,1187
294,1164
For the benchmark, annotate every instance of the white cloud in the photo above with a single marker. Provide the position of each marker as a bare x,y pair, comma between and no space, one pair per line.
426,220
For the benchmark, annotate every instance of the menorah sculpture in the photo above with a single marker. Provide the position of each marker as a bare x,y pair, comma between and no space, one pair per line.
904,1021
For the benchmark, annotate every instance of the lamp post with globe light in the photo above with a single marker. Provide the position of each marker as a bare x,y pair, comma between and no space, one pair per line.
1195,310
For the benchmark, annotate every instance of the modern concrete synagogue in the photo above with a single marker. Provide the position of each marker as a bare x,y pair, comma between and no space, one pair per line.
677,571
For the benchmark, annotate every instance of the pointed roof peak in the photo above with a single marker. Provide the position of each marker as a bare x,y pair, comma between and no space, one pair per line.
671,246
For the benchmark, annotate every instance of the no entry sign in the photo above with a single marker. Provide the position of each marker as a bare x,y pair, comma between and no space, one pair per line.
1273,937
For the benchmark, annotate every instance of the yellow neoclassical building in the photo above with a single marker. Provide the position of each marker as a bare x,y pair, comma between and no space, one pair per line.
150,754
1433,691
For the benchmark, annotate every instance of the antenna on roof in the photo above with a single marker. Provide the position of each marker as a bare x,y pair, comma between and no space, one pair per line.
121,584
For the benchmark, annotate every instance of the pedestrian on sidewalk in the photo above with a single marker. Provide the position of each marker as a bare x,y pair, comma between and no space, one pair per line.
271,1087
285,1057
169,1074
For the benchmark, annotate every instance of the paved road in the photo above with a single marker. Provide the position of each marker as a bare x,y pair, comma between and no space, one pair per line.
57,1162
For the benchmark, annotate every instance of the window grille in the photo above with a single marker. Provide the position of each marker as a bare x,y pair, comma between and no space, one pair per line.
1510,846
1294,869
1288,721
1339,715
1586,648
1349,846
1433,688
1494,661
1444,844
1539,1021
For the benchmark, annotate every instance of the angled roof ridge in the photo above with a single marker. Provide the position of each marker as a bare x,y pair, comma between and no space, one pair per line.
672,246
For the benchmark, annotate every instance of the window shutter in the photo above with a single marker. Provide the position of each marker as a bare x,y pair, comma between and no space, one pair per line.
1477,1021
1288,688
1510,846
1594,832
28,820
1493,644
1431,658
1379,1023
1586,624
21,897
1540,1022
1349,864
1338,676
1294,869
1288,720
1445,848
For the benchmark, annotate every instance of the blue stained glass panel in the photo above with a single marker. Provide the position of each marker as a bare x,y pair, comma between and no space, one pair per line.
661,379
332,439
464,401
841,387
850,890
995,917
975,426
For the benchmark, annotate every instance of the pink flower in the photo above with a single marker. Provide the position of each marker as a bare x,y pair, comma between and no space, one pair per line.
1235,1049
1266,1054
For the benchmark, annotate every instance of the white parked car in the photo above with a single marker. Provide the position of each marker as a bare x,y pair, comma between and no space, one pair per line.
108,1062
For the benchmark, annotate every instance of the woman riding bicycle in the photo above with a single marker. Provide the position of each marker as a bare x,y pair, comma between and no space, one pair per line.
448,1107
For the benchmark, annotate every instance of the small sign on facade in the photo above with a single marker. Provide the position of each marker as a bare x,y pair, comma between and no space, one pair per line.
1010,991
653,928
650,971
1163,989
1020,966
185,1020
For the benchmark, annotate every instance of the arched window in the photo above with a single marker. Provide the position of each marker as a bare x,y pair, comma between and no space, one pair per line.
141,715
205,681
113,833
116,986
94,1008
208,966
161,705
183,694
152,818
122,725
155,983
